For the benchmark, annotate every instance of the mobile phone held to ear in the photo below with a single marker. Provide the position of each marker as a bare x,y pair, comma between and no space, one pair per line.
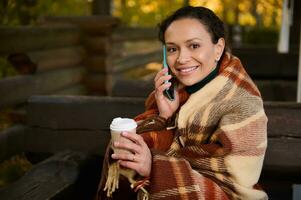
169,93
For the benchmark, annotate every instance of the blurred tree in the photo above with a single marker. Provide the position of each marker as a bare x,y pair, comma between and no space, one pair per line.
27,12
144,12
250,14
259,13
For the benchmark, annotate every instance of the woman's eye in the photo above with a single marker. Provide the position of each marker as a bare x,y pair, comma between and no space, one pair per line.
194,46
171,49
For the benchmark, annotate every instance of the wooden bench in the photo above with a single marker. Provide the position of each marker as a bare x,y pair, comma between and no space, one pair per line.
81,125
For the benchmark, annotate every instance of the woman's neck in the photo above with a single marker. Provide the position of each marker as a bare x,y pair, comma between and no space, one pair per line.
195,87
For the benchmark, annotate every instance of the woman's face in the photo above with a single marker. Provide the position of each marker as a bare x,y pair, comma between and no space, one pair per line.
191,55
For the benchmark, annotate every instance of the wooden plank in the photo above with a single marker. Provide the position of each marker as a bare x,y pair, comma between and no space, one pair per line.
140,46
97,44
283,155
91,25
263,63
24,39
133,61
12,141
77,89
98,63
277,90
134,34
18,89
47,179
46,140
284,119
80,112
58,58
131,88
97,83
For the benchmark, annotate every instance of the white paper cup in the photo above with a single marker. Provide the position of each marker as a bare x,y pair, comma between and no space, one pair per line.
119,125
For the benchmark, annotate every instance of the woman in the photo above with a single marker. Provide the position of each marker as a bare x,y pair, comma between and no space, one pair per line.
208,143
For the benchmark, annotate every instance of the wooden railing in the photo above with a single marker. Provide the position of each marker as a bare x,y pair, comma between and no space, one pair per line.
57,54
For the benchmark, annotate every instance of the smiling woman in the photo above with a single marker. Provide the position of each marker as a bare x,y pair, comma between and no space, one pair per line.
193,56
208,142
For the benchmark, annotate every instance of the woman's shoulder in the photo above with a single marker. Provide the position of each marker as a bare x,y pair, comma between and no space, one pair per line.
235,72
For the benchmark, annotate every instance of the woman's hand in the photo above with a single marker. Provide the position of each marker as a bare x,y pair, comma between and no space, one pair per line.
166,107
139,158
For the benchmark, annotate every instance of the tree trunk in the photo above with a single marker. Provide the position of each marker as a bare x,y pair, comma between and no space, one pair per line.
255,14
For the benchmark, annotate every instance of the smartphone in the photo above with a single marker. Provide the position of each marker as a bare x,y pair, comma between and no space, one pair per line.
169,93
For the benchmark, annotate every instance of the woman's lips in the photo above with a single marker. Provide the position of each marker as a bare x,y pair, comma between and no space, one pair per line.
187,70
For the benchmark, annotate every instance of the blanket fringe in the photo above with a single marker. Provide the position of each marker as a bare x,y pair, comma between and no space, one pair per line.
112,182
112,179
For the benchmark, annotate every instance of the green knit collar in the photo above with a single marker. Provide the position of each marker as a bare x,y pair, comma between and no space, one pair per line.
197,86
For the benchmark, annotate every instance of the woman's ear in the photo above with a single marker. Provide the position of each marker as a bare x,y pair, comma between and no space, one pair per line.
219,48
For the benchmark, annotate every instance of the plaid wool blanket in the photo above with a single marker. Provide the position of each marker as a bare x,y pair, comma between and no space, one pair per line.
214,146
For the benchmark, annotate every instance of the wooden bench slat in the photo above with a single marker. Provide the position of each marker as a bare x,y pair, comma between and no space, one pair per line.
68,122
283,155
12,141
80,112
46,179
18,89
43,140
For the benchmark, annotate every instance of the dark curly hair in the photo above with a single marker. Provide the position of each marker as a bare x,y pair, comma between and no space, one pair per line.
213,24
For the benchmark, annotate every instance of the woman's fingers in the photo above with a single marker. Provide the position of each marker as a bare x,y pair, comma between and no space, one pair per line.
133,144
162,81
160,73
127,146
133,137
161,78
163,87
125,156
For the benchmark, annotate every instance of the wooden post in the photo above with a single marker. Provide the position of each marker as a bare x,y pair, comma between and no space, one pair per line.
101,7
97,40
295,27
299,73
283,43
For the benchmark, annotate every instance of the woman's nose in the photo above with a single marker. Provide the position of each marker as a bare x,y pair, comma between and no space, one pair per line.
184,57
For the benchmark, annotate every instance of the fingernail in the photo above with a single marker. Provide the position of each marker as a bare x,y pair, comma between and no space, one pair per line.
124,133
113,155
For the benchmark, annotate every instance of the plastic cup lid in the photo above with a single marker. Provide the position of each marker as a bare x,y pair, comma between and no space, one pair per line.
123,124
